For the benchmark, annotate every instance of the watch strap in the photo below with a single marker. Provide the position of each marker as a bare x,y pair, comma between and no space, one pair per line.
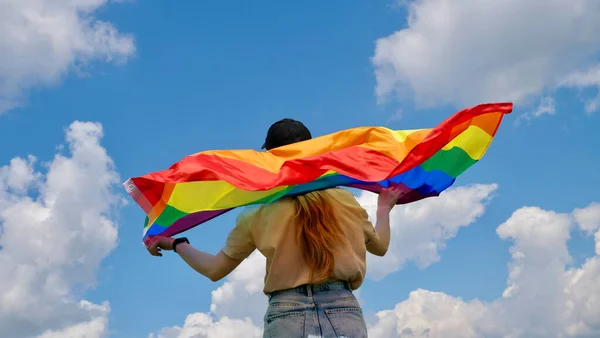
178,241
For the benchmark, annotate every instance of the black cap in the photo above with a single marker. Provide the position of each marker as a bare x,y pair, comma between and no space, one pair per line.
284,132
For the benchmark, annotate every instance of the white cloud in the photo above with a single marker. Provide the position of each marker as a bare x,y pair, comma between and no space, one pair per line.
42,40
544,297
419,230
547,106
202,325
95,327
586,79
247,282
589,221
55,229
471,51
425,314
396,117
241,296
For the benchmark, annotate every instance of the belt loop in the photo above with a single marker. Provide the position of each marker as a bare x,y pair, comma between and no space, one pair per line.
309,291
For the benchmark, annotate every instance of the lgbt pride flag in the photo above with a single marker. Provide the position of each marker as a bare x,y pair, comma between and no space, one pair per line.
422,162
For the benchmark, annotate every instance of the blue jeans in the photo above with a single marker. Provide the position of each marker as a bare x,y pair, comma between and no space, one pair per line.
325,310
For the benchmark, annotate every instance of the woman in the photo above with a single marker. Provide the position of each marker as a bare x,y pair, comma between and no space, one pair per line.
315,245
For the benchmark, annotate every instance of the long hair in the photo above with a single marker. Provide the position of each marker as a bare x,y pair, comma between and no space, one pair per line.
319,233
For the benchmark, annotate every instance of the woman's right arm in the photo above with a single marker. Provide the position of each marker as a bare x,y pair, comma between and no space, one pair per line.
379,244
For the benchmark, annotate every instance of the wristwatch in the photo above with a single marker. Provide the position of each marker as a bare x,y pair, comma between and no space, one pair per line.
178,241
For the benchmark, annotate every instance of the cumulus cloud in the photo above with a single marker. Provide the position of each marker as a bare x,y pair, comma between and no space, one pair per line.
241,296
589,221
42,40
544,297
97,326
55,229
468,52
420,230
202,325
247,282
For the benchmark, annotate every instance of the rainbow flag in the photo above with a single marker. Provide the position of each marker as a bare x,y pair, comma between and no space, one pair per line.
422,162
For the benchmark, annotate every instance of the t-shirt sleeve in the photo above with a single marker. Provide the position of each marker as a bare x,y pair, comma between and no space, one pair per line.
368,228
239,244
362,216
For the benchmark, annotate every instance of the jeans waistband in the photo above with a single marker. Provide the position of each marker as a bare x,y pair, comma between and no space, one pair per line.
309,289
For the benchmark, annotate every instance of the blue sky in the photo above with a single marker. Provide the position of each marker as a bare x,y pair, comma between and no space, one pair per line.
216,75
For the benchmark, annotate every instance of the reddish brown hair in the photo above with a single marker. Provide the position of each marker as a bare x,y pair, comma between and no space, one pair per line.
319,233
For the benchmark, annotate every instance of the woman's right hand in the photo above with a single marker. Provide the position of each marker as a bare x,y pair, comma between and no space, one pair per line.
388,198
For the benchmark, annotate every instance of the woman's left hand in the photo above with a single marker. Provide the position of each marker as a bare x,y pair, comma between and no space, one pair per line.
159,243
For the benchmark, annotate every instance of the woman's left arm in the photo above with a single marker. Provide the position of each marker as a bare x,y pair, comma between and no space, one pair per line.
214,267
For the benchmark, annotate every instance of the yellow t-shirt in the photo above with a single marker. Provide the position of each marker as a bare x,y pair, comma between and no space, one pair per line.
271,230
